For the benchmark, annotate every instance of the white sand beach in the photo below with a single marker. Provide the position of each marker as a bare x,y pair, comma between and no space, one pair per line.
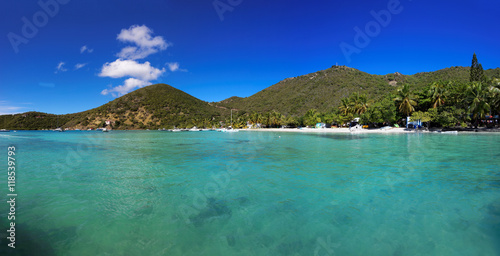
334,130
391,130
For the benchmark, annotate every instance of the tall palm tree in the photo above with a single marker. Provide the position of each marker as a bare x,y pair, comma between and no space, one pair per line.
345,106
477,94
267,119
495,88
253,118
311,117
273,118
259,118
359,103
277,118
438,93
407,100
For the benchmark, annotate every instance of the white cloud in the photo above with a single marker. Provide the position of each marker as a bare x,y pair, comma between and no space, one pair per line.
7,110
130,68
174,66
60,67
130,85
80,65
86,49
139,75
141,44
142,38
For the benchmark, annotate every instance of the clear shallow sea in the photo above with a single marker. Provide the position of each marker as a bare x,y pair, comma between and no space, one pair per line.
253,193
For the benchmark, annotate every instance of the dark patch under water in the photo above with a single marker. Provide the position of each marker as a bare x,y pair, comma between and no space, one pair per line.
144,210
242,200
238,141
215,209
31,241
338,136
491,223
231,240
186,144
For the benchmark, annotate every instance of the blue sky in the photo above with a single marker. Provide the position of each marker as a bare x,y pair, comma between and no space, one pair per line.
82,54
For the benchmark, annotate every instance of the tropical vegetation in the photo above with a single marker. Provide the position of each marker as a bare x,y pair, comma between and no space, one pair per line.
456,96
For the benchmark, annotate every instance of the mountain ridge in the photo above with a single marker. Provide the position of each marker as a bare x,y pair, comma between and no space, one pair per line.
322,90
161,105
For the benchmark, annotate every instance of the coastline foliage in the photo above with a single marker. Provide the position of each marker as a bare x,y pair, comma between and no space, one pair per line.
456,96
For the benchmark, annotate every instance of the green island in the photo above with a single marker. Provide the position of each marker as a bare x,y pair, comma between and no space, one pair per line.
452,98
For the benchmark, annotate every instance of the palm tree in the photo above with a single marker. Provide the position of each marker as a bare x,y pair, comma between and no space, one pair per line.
267,119
359,103
482,98
477,94
495,88
311,117
276,118
259,119
254,118
290,121
438,93
272,118
345,106
407,100
496,82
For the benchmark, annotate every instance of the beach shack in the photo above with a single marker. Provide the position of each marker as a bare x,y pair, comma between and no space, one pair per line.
320,126
414,123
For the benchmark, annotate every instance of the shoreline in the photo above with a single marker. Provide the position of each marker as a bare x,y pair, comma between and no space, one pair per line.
393,130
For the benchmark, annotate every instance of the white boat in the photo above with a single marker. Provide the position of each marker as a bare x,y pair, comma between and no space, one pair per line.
59,129
175,129
230,129
449,132
194,129
105,130
3,130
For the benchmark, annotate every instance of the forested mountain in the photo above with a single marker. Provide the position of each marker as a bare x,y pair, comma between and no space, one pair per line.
163,106
324,89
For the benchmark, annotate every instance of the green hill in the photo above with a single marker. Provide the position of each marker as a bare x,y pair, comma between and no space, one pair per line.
154,106
323,90
162,106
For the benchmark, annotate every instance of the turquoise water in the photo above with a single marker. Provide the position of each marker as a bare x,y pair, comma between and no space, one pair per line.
253,193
